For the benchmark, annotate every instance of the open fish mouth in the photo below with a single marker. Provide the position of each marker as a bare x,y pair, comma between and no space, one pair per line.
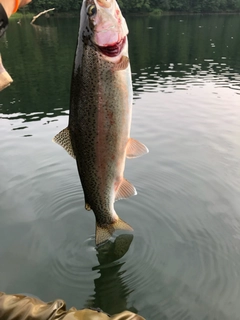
113,50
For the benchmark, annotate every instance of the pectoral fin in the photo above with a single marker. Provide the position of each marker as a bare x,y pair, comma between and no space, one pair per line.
135,149
125,190
64,140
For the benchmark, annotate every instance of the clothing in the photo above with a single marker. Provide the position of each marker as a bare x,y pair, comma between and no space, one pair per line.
5,78
3,20
20,307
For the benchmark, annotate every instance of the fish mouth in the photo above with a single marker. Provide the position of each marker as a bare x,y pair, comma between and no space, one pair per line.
113,50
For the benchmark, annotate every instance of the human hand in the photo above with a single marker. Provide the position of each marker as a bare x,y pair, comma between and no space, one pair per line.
22,3
11,5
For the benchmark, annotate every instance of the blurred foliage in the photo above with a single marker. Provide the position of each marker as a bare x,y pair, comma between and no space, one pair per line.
60,5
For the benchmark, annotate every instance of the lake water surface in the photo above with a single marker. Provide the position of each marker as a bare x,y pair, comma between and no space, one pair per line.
183,261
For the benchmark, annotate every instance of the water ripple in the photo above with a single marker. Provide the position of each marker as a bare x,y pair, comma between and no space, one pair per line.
161,79
71,263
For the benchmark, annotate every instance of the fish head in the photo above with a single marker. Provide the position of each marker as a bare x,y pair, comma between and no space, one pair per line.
108,27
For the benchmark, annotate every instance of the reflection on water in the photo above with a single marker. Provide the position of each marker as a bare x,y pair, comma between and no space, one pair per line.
170,78
173,54
112,251
111,289
183,261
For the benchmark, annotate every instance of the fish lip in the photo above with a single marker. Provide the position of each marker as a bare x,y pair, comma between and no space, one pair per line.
113,50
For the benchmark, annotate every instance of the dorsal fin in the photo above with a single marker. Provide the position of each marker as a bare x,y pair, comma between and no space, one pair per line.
135,149
125,190
64,140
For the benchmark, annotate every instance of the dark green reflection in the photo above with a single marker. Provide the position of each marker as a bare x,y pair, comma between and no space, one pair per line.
39,58
111,291
185,39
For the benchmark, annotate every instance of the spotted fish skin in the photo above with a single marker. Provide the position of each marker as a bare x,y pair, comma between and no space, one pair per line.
98,133
99,125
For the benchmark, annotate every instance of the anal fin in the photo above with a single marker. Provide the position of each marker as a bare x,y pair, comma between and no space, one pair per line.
135,149
64,140
125,190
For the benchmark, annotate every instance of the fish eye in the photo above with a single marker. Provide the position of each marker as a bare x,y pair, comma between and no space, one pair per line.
91,10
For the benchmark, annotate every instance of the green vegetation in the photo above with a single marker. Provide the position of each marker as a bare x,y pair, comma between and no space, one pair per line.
60,5
20,14
138,6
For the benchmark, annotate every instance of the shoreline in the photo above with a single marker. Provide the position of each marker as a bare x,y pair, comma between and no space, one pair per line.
158,13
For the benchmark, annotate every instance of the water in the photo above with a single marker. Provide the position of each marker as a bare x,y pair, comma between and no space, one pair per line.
183,261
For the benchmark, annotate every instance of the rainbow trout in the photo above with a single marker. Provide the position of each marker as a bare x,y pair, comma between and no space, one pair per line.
98,133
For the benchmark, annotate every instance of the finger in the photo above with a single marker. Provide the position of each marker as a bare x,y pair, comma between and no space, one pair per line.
24,2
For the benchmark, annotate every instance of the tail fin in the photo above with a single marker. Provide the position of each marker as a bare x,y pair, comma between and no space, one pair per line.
103,233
